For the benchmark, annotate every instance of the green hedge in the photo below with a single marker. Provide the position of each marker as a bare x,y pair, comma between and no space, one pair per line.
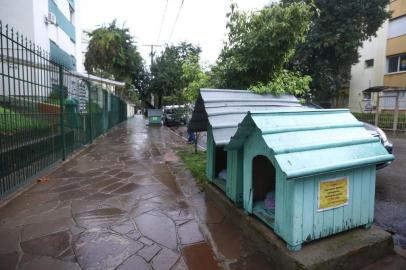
385,119
15,122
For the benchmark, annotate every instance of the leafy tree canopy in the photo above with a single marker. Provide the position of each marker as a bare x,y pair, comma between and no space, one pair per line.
113,53
260,44
167,72
285,82
194,76
338,29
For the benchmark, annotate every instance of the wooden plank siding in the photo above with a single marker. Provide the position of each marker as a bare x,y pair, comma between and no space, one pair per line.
297,219
309,224
234,188
211,155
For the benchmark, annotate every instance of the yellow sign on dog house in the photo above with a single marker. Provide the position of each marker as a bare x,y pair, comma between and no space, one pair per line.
333,193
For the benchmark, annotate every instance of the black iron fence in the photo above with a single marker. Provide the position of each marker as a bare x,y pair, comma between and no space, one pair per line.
46,110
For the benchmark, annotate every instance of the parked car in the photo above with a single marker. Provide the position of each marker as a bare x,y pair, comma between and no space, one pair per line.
175,115
373,130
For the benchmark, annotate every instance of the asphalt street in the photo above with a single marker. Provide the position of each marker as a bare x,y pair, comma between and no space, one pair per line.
390,207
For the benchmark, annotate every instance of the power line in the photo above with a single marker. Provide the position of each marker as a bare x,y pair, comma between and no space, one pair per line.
176,20
162,21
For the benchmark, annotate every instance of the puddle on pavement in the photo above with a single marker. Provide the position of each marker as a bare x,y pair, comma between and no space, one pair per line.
101,249
99,217
51,245
199,257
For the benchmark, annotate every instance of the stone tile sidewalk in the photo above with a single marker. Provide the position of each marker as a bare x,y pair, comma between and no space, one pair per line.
126,202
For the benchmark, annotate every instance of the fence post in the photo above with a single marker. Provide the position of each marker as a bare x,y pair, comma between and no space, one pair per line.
90,111
396,115
377,110
62,111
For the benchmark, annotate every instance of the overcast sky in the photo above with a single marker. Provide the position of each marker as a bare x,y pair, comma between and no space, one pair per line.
201,22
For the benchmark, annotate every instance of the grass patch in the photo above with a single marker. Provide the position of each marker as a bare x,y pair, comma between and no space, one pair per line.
195,162
14,122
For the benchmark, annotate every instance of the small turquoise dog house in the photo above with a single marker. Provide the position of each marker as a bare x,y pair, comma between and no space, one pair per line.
154,116
308,174
219,111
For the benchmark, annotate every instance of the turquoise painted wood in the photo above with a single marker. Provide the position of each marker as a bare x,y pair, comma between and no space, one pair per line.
306,148
211,155
234,189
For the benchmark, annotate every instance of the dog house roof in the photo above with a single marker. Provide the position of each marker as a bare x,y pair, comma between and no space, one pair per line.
154,112
312,142
223,109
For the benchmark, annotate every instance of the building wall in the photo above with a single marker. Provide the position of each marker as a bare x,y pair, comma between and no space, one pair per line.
363,77
21,19
398,7
390,42
396,44
396,80
29,18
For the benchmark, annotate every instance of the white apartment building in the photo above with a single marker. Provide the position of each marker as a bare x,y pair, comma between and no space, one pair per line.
382,64
50,24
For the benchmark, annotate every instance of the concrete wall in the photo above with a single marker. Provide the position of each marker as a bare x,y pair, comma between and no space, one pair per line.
395,79
363,77
396,45
18,14
398,7
28,17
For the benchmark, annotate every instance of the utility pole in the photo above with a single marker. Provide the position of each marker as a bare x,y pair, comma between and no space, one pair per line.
152,53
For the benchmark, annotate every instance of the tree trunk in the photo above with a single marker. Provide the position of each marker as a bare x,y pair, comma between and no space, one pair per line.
159,101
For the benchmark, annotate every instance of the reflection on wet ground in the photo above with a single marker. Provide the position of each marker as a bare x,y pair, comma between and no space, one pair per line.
126,202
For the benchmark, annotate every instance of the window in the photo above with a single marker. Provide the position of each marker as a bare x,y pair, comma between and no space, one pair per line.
397,27
402,63
71,15
367,96
397,63
369,63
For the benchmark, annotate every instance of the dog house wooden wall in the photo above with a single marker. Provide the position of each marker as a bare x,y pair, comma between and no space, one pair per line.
325,166
219,112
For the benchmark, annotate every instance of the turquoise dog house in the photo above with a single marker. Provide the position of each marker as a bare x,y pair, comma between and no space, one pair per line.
154,116
308,174
219,112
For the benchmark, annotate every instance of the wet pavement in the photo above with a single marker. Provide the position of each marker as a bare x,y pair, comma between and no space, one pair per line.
126,202
390,203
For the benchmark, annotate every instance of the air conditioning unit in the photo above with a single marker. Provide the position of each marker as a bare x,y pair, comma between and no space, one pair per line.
50,18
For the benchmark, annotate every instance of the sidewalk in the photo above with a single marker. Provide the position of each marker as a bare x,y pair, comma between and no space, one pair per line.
117,205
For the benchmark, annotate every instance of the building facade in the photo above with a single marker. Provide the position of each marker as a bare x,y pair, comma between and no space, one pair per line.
382,62
50,24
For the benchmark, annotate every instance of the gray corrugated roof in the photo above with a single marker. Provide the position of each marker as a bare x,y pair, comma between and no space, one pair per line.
224,109
154,112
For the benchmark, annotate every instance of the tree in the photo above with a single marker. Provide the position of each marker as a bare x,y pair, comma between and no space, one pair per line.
166,72
113,53
194,76
285,82
260,44
339,28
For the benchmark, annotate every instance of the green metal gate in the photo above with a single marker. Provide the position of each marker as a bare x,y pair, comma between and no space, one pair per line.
46,110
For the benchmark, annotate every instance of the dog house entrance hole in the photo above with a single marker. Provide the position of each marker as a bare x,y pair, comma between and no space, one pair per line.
220,168
263,186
